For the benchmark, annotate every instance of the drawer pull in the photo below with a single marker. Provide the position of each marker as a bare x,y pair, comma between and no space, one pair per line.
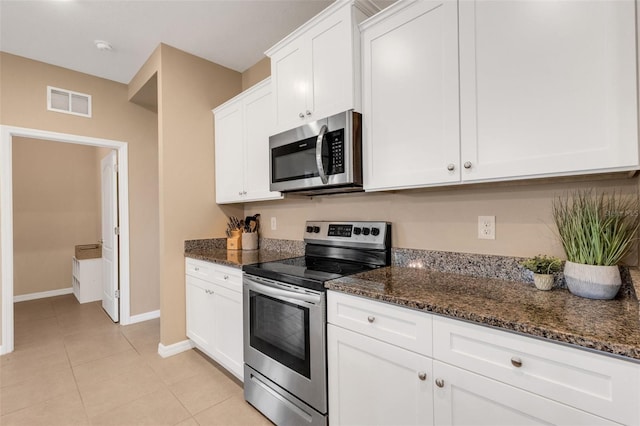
371,318
197,268
440,383
226,277
422,376
516,362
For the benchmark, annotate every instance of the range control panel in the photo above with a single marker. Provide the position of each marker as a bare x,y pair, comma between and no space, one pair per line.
356,234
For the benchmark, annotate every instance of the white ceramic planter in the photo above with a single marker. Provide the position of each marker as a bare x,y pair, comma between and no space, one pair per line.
543,281
592,281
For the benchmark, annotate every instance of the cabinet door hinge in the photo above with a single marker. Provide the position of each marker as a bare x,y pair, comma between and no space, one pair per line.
117,294
116,230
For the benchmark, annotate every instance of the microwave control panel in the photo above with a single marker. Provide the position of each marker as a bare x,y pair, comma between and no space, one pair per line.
335,142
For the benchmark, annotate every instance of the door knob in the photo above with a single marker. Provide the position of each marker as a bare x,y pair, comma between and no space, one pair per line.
371,318
301,115
516,362
422,375
467,165
451,167
440,383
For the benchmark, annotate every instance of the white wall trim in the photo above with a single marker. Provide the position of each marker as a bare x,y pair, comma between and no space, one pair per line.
175,349
133,319
42,294
7,133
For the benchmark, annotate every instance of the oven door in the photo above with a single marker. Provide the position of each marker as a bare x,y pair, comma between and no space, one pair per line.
285,337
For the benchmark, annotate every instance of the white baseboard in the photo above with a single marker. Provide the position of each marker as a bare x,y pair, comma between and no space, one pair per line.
175,349
42,294
144,317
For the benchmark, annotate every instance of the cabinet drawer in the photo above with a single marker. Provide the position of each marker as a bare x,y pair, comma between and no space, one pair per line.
598,384
199,269
229,278
392,324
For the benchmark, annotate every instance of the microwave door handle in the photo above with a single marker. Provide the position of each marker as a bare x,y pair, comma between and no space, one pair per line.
319,143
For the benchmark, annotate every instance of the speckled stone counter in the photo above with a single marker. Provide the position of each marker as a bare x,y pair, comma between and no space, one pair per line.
611,326
214,250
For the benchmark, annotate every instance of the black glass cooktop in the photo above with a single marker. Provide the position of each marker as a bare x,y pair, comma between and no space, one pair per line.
306,271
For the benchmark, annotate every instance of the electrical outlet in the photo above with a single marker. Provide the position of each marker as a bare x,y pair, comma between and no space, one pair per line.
486,227
274,224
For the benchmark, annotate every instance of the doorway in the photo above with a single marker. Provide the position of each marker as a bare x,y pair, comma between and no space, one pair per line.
7,134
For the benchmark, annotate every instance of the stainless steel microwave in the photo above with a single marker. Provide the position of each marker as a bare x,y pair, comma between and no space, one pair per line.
322,157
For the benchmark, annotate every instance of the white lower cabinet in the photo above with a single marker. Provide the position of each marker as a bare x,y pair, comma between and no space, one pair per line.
464,398
469,375
374,383
214,312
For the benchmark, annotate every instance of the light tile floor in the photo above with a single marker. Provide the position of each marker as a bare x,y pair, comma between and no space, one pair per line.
73,366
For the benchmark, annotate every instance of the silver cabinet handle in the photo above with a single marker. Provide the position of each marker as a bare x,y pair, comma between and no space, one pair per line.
240,193
451,167
244,192
196,268
422,376
319,143
516,362
301,115
467,165
308,113
371,318
226,277
440,383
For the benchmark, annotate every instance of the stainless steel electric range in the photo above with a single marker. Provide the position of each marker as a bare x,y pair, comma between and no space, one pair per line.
285,318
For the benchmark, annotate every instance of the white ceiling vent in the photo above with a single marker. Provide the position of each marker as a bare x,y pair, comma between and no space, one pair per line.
62,100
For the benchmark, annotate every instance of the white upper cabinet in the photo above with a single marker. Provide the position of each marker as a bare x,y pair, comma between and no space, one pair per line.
242,128
540,89
547,87
316,69
410,96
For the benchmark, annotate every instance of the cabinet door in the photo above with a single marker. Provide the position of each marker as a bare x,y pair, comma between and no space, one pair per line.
375,383
410,96
200,312
291,85
470,399
547,88
229,153
259,120
331,65
227,330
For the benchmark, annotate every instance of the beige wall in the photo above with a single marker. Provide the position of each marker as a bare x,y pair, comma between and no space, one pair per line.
442,218
55,207
188,89
258,72
23,85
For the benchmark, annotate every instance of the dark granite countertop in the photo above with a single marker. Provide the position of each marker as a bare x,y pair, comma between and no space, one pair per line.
610,326
237,258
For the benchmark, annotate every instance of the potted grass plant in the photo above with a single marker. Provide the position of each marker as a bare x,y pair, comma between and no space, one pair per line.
543,268
597,231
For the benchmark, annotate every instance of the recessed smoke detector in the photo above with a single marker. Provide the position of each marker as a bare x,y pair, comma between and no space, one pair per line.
102,45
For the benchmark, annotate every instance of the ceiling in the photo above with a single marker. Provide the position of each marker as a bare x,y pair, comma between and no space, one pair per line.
233,33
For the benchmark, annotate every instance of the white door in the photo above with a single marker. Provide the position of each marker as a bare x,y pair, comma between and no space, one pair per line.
410,97
375,383
229,154
547,87
109,235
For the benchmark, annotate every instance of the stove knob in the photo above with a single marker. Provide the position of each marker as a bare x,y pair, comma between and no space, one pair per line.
365,231
375,231
357,231
316,229
309,229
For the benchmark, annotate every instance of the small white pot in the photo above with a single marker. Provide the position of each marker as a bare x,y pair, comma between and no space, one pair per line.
543,281
249,241
592,281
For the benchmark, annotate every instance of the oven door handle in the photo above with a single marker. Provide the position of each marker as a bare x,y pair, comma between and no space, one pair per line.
319,143
282,294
